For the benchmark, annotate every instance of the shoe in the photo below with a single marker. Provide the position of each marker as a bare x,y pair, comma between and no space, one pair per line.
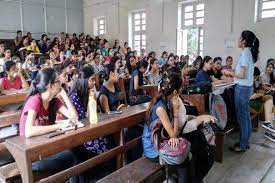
269,136
268,127
237,149
238,144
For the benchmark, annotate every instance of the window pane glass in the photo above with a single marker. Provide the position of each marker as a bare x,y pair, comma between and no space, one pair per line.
143,27
137,28
188,15
137,16
269,5
143,15
137,37
101,21
200,21
200,14
188,22
201,46
201,39
137,22
143,37
201,32
188,8
143,43
101,32
143,21
101,27
268,13
136,48
137,43
143,47
200,7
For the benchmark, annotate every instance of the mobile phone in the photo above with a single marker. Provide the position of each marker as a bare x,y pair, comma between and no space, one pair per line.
54,134
114,112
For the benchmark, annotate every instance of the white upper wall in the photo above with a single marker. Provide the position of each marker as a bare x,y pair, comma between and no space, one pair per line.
61,16
218,20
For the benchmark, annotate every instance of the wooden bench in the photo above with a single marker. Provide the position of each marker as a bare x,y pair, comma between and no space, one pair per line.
25,151
141,170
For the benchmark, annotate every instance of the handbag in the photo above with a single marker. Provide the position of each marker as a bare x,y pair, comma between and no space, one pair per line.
174,156
168,155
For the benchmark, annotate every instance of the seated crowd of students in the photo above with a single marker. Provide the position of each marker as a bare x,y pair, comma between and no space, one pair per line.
61,77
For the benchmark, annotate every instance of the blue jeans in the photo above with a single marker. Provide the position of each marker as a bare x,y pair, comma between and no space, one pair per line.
242,95
57,162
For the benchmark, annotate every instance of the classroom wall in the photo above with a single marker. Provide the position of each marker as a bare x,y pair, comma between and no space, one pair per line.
223,24
40,16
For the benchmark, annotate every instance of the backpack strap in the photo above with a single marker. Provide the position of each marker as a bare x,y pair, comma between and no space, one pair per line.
183,127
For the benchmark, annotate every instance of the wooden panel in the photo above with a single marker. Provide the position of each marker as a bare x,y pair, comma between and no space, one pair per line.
198,100
12,98
134,172
9,118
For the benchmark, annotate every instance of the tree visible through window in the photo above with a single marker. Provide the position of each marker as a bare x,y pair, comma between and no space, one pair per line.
190,37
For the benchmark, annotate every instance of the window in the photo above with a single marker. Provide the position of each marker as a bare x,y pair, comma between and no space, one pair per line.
138,31
190,36
101,25
265,9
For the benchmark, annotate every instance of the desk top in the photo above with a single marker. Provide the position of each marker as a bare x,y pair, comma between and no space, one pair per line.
12,98
36,147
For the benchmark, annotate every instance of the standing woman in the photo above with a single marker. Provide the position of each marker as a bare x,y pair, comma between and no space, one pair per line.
243,78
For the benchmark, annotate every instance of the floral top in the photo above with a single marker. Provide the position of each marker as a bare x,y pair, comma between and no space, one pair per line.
98,145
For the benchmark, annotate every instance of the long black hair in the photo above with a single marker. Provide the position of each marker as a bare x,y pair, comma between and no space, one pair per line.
168,85
271,74
206,59
252,42
80,86
39,85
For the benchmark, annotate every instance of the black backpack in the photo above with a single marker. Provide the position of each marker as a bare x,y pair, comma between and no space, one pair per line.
198,88
203,154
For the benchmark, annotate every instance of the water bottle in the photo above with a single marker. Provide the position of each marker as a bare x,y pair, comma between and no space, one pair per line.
92,110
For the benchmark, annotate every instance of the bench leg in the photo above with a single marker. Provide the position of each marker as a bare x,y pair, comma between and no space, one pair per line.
219,147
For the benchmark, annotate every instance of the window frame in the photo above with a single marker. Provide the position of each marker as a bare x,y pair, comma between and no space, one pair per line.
259,10
139,32
99,24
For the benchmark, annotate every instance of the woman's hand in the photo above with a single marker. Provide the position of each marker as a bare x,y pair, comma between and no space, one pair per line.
173,142
206,119
228,73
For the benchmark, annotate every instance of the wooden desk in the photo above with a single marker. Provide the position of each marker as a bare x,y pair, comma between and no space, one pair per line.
12,98
25,151
199,101
151,89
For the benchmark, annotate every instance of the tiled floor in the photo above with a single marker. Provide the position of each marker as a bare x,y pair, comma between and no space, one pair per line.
255,165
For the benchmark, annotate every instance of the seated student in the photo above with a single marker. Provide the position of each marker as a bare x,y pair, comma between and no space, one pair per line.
154,76
136,95
29,67
203,76
108,93
229,63
97,66
260,99
191,126
215,71
130,65
14,81
163,58
82,96
7,57
33,46
39,115
159,111
171,60
2,49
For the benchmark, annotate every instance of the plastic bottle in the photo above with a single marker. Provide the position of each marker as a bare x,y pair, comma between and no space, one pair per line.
92,111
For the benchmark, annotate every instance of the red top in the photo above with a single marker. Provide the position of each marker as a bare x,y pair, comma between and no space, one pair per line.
42,114
8,85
